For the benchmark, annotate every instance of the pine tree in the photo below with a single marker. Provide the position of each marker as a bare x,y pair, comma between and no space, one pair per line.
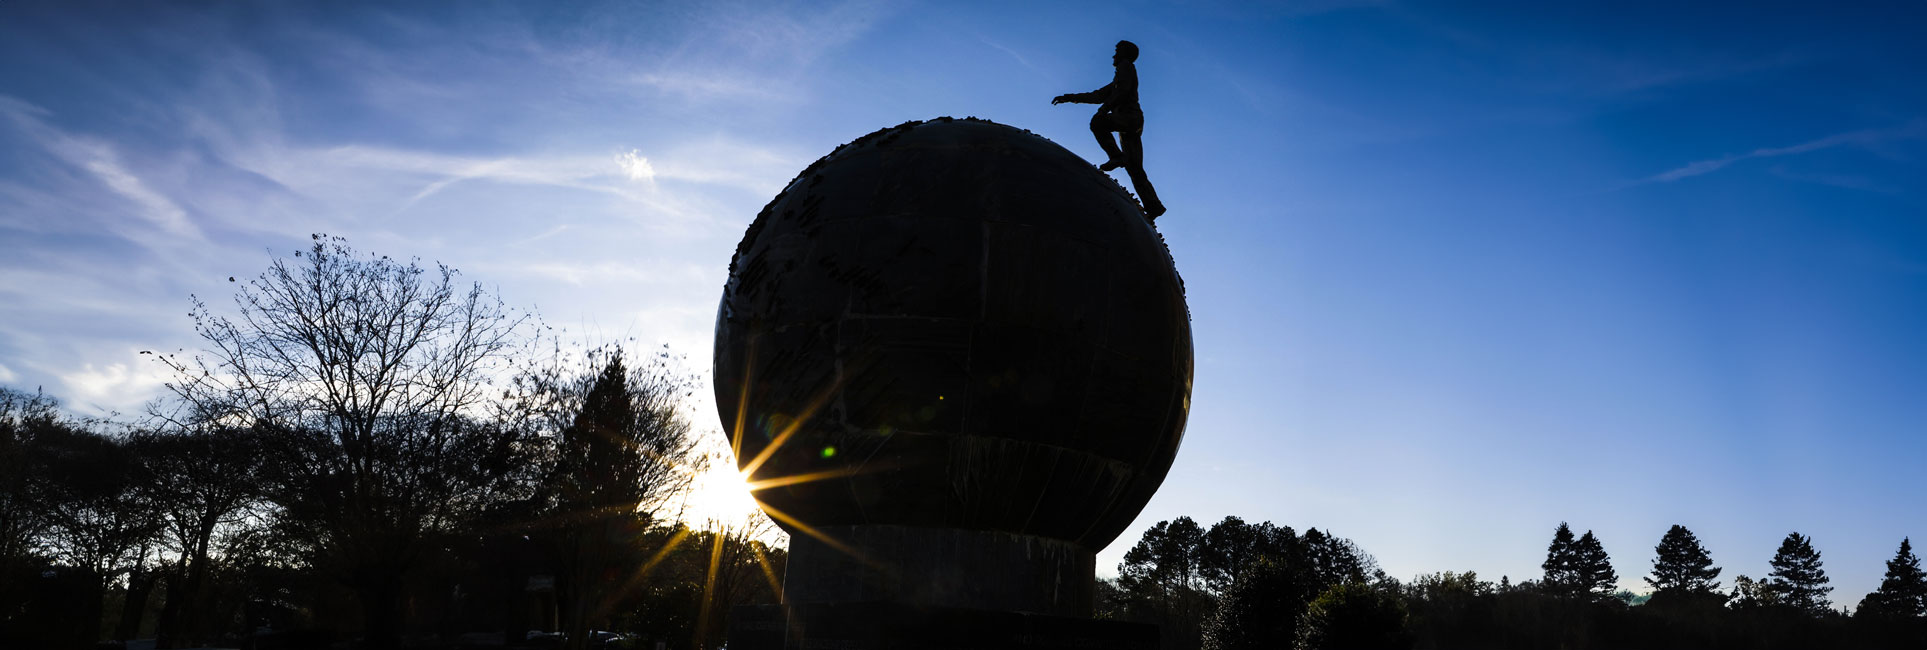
1592,569
1797,577
1682,566
1561,577
1903,593
621,448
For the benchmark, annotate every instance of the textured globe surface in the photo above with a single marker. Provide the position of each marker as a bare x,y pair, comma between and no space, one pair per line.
954,324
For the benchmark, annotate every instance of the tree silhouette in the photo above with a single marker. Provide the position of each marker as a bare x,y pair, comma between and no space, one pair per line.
1273,575
1561,565
1163,578
204,479
374,376
623,448
1797,578
1592,569
1232,547
1355,616
1903,592
28,421
595,477
1333,560
99,522
1254,612
1749,593
1681,565
1452,610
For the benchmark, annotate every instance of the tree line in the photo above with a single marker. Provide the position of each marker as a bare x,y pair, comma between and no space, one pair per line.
1239,586
369,451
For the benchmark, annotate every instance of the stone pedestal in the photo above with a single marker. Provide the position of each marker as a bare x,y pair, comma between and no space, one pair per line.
941,567
884,587
897,626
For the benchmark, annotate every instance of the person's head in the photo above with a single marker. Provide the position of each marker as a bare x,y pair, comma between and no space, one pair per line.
1126,53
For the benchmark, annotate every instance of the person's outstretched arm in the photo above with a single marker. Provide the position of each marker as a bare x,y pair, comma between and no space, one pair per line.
1098,96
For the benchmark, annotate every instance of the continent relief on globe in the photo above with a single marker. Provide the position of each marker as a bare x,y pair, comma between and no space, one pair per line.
954,324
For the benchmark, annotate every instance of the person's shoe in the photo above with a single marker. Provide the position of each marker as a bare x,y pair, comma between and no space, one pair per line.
1153,212
1109,165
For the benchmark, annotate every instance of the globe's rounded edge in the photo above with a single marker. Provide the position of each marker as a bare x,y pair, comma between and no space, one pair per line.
727,392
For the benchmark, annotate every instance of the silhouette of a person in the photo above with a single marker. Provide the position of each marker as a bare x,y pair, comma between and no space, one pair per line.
1118,112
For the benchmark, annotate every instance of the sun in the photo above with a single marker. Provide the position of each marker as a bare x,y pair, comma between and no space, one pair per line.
718,494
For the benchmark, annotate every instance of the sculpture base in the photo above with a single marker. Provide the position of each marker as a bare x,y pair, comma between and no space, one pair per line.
941,567
896,626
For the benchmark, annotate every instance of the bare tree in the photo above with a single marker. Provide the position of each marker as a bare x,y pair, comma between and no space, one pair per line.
743,569
205,481
27,422
371,375
99,520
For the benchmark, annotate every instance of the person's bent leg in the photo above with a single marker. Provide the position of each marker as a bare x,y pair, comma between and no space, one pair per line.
1101,127
1134,164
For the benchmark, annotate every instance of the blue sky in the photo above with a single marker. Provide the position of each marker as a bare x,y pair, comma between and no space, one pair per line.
1457,273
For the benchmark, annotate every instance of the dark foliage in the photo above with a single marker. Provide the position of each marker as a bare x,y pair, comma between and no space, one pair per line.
1561,576
1593,569
337,467
1261,604
1248,616
1578,567
1452,610
619,448
341,471
1681,566
1355,616
1163,575
1233,546
1903,591
1797,579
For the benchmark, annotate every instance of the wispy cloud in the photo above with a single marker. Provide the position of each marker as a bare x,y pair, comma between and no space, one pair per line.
591,172
1619,73
1840,180
657,272
1911,130
714,85
103,162
726,52
1001,48
411,176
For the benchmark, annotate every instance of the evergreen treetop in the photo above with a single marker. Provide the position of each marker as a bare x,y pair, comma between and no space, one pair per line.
1903,592
1578,566
1592,568
1682,565
1560,574
1797,577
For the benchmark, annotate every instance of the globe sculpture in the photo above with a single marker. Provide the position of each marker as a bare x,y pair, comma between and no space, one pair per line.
955,360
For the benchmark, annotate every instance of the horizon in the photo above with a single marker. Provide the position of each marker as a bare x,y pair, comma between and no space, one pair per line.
1455,276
